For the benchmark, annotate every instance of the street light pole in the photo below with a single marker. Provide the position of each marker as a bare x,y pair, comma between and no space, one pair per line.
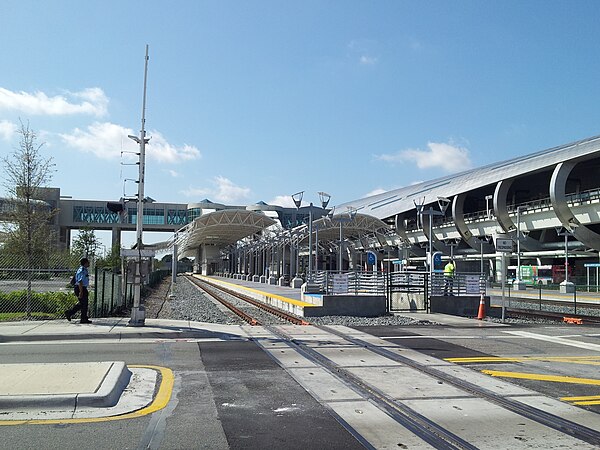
566,287
518,284
138,313
310,231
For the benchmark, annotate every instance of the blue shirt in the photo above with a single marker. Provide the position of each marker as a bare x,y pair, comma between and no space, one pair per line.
83,276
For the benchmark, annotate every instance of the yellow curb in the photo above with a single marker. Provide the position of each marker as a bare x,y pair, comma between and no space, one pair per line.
160,401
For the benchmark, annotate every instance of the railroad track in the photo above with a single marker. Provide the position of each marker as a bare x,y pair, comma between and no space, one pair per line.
430,431
427,429
248,309
558,316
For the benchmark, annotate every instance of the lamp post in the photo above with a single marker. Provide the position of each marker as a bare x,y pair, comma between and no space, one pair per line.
482,240
324,197
351,215
487,206
566,287
518,284
297,198
443,204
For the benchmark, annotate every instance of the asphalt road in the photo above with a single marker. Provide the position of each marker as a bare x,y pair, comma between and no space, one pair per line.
226,395
229,393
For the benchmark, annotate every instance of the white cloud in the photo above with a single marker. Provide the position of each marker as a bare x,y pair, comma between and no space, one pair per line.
363,51
7,129
366,60
106,140
223,190
283,200
173,173
91,101
448,157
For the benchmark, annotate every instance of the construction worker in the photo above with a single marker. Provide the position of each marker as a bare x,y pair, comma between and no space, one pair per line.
449,270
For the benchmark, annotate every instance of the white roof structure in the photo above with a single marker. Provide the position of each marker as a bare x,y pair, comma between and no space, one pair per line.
388,204
221,228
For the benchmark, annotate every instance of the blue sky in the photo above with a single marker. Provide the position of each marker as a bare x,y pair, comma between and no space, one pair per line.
256,100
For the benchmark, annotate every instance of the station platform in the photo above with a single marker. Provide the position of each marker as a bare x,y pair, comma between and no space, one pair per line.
304,304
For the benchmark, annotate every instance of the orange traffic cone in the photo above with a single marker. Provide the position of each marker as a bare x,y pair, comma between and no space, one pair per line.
481,313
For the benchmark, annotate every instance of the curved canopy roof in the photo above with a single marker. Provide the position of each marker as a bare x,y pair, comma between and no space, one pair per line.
360,225
400,200
224,227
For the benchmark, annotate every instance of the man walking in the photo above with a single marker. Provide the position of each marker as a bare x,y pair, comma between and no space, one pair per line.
82,282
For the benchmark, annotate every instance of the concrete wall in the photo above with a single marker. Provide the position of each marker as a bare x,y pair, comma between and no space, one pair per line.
349,305
467,306
408,300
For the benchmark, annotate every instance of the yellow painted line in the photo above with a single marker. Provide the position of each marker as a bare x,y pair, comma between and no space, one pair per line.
160,401
483,359
541,377
583,398
590,403
256,291
591,360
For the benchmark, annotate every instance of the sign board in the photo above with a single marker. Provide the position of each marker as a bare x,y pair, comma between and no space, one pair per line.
133,253
472,284
504,245
438,265
340,283
371,259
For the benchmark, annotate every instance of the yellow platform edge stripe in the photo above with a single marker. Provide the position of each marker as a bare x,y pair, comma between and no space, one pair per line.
256,291
160,401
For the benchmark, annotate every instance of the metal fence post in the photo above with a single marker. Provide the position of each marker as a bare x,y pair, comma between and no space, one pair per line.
112,290
103,290
96,291
575,300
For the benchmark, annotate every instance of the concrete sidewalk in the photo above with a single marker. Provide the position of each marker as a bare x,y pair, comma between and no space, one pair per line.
115,329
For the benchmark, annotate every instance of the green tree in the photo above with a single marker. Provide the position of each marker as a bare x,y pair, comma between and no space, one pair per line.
27,232
112,259
85,244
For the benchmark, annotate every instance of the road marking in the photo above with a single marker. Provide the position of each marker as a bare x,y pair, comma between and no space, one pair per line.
591,360
160,401
542,377
100,341
449,337
585,397
556,340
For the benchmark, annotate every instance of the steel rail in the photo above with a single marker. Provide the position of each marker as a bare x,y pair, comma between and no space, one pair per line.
416,423
243,315
270,309
545,418
551,315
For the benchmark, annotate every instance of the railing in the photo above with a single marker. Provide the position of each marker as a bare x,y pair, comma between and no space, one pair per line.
107,299
460,284
350,282
547,298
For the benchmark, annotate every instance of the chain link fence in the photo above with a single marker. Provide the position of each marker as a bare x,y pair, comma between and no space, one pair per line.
39,288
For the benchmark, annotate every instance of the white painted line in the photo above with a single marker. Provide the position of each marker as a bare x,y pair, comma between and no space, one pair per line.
121,341
556,340
449,337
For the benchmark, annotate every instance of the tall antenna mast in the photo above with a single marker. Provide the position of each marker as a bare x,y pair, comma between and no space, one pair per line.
138,313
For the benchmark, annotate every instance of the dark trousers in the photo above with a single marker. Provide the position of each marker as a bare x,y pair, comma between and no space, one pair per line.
82,306
448,282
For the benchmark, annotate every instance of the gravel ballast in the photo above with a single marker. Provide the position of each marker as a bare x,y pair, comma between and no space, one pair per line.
187,302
